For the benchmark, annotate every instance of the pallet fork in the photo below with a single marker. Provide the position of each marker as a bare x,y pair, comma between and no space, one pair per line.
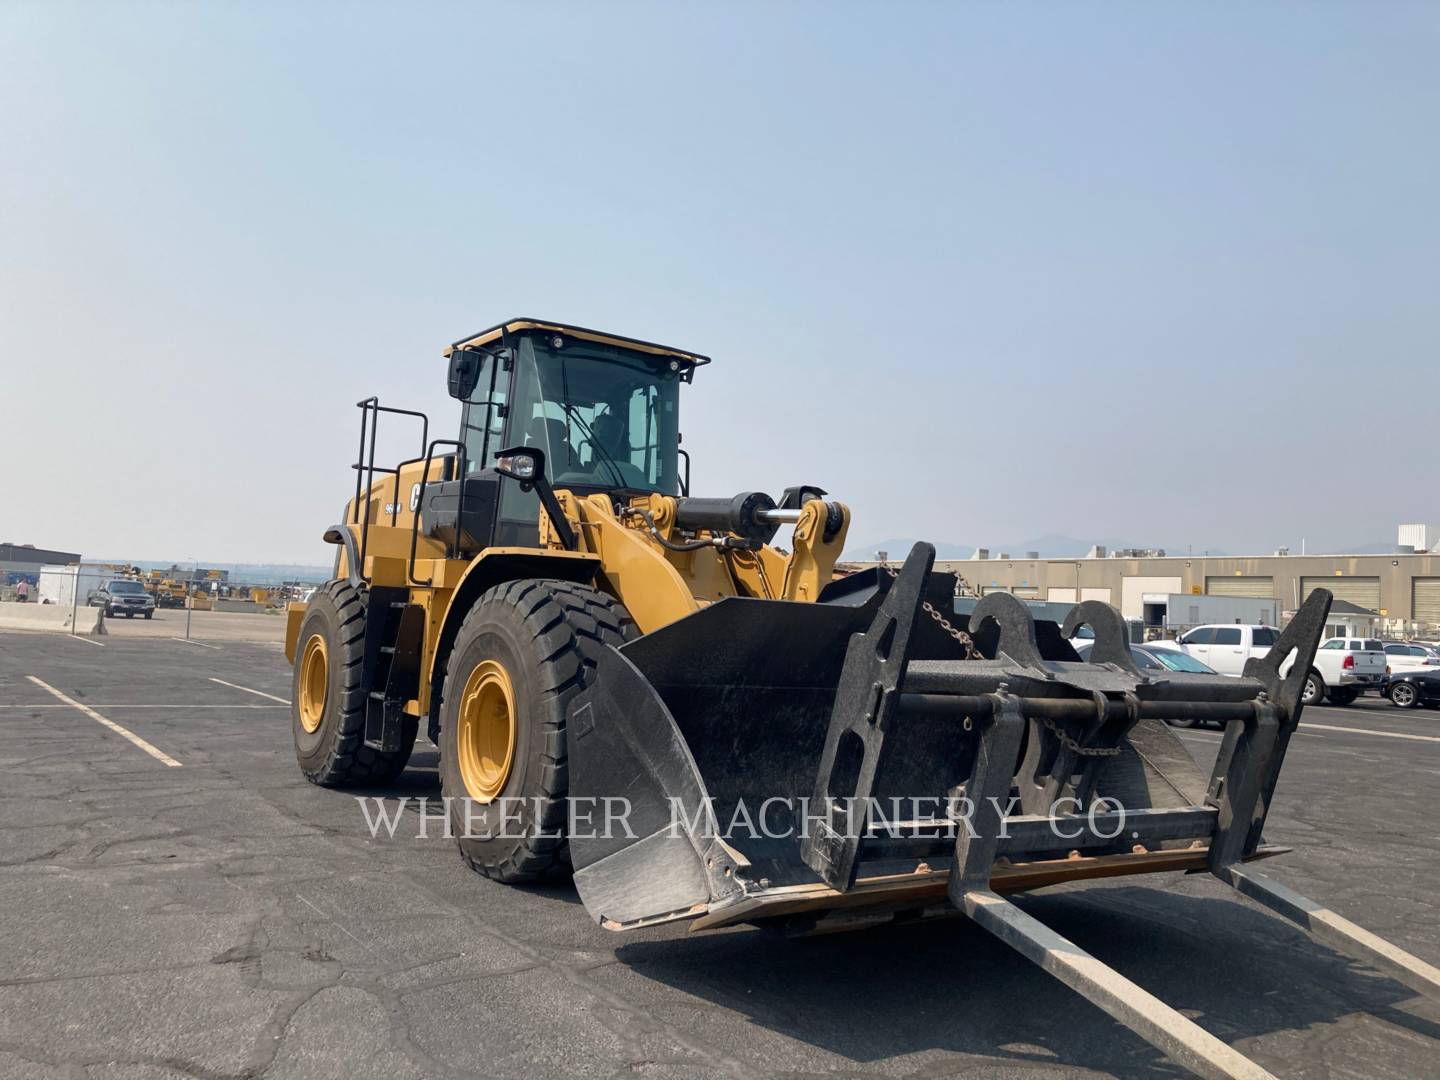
737,704
1228,823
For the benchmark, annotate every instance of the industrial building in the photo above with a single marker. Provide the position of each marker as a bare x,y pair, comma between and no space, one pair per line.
1395,594
25,560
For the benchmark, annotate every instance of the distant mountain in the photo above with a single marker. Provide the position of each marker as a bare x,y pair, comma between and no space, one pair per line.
897,548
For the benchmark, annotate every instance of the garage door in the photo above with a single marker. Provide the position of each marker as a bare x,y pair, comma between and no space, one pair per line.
1263,587
1361,591
1425,599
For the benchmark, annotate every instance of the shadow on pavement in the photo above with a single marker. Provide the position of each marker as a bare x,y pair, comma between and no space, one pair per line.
948,985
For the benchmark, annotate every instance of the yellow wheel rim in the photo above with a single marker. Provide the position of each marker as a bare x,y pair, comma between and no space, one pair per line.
314,682
485,738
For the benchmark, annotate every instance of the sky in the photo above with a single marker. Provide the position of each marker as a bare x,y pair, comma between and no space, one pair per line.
982,271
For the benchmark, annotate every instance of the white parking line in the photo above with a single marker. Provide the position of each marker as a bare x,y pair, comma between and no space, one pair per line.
138,705
158,755
88,641
1310,729
202,645
257,693
1371,731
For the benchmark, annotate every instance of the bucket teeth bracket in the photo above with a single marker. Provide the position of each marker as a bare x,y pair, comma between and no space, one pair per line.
865,700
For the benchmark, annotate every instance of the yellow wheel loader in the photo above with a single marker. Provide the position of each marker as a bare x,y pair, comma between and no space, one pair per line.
641,687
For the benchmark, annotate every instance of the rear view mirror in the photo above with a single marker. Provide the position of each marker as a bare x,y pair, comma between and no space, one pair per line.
465,365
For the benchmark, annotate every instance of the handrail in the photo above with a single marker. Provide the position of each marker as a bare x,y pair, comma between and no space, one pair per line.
366,464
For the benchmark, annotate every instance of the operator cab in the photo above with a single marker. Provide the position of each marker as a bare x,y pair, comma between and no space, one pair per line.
604,410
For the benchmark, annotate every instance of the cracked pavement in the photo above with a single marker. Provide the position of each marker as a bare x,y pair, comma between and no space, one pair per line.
225,919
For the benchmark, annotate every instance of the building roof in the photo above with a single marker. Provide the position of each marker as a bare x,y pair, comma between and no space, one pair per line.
511,326
1345,607
29,553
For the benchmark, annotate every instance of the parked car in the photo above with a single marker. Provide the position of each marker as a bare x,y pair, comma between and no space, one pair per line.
1152,656
1344,667
1403,656
1226,647
1407,689
127,598
1158,656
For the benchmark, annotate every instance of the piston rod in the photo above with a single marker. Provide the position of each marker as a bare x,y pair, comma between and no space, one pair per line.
779,517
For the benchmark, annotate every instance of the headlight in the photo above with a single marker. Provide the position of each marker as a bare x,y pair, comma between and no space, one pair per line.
517,466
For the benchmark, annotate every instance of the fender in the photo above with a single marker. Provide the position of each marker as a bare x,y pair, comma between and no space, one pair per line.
492,567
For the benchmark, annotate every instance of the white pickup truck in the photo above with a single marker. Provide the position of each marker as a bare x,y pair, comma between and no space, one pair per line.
1343,666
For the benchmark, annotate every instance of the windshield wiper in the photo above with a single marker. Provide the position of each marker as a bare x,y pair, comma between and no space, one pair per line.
600,451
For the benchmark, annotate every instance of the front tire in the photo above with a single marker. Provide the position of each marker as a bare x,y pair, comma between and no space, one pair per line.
1403,696
521,663
327,714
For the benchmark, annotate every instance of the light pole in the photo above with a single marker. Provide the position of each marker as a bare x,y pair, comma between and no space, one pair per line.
190,595
75,601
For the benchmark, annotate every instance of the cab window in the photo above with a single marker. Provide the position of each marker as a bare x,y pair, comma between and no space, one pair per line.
1227,635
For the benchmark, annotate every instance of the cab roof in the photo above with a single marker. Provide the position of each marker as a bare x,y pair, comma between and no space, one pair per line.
512,326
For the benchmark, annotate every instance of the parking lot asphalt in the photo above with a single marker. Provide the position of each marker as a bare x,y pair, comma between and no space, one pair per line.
205,626
175,900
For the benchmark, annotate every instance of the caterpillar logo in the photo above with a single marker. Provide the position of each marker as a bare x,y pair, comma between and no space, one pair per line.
394,508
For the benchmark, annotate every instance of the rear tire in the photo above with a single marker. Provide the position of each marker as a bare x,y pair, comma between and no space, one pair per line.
1403,695
521,663
1314,690
1343,695
327,714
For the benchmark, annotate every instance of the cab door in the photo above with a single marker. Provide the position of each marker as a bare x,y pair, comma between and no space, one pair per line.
1198,643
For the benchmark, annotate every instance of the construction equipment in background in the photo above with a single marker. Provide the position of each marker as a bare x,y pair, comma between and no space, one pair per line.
576,630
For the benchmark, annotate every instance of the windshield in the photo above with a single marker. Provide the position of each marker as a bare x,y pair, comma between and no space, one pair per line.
605,416
1179,661
126,587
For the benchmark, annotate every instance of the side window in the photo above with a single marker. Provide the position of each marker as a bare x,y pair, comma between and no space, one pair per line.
1262,637
481,421
1334,644
1203,636
1227,635
1397,650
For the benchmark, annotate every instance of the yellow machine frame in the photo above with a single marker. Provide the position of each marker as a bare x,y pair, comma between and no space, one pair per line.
617,552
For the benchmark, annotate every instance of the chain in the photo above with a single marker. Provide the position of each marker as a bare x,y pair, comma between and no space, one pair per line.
966,642
972,653
1074,747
